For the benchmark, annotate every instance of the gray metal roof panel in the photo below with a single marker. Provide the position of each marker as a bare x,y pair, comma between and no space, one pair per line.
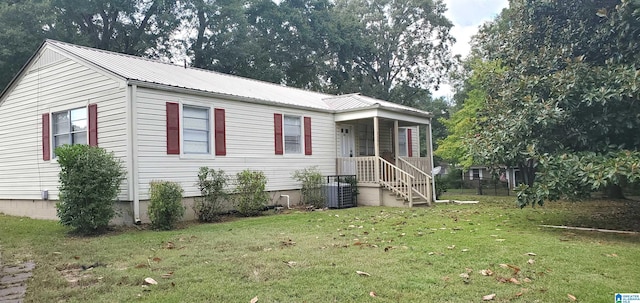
157,72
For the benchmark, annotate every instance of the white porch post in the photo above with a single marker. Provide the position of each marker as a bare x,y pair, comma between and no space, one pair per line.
376,147
396,142
428,140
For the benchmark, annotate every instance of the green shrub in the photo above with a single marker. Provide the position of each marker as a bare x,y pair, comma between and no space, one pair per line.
90,180
251,197
165,205
312,181
212,184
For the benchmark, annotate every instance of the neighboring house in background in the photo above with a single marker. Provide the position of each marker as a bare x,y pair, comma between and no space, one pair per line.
507,175
165,121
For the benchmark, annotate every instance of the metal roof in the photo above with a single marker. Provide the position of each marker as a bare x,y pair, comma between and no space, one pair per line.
167,74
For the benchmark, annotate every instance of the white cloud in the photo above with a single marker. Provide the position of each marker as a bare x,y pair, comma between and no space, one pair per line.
467,16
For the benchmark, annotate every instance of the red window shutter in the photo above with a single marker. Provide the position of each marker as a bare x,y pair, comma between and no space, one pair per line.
307,135
409,145
93,124
173,128
277,124
220,136
46,141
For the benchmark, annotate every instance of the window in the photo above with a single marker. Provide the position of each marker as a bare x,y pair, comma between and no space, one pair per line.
402,142
292,135
475,174
70,127
195,131
365,140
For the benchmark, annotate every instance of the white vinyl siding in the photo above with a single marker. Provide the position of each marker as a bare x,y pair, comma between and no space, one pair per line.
196,132
58,85
249,142
292,134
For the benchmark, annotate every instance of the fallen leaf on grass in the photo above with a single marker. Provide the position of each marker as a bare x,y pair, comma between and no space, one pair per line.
500,240
156,259
170,245
451,247
167,275
488,297
486,272
531,261
611,255
150,281
141,265
362,273
572,297
530,254
254,300
464,275
373,294
514,281
291,263
527,280
516,269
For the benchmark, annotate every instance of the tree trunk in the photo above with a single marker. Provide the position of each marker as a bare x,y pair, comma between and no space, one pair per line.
614,191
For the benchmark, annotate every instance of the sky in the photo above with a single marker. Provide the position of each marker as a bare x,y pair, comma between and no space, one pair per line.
467,16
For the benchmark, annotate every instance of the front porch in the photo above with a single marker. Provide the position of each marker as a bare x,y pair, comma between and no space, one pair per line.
384,154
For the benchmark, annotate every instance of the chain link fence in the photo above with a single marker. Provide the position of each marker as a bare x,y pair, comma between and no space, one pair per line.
457,184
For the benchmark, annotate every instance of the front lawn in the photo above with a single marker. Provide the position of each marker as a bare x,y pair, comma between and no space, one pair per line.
436,254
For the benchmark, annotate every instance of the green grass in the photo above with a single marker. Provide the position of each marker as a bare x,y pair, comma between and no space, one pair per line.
409,254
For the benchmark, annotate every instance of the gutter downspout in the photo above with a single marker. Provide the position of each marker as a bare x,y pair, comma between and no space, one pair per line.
133,148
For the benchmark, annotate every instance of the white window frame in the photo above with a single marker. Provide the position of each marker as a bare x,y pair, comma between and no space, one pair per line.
71,132
209,153
471,177
300,134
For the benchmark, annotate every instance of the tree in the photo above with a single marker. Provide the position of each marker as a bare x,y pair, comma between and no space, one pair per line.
399,45
569,90
141,27
462,125
217,36
19,38
137,27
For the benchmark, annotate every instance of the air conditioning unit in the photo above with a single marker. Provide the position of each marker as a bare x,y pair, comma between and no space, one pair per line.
339,195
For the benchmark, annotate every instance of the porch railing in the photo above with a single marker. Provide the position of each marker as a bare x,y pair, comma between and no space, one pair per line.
421,182
363,167
420,163
406,180
396,180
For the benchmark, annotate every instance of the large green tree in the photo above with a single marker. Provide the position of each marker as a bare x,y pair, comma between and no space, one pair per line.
401,48
569,91
136,27
139,27
23,26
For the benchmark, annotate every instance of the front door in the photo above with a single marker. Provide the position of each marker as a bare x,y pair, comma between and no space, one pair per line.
347,149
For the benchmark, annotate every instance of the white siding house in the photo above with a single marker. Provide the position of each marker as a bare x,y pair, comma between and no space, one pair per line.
165,122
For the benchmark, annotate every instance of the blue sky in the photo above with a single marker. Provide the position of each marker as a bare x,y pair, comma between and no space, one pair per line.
467,16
